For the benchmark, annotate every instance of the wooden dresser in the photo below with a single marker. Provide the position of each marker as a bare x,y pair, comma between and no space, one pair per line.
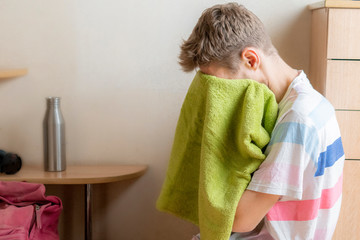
335,72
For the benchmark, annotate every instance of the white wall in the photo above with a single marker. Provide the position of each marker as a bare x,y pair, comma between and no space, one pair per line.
114,63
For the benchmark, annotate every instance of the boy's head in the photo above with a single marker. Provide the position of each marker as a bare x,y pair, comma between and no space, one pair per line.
220,36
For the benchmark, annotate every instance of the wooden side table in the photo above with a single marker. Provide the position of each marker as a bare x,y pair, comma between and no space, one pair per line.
79,174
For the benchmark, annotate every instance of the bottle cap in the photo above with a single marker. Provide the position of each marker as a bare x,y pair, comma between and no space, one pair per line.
53,100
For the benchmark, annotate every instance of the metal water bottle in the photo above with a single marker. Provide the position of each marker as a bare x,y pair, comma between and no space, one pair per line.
54,137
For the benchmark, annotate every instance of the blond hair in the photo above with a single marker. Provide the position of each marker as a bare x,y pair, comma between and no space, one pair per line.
221,34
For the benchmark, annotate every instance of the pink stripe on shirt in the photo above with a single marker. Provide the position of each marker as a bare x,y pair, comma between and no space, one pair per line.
305,210
280,173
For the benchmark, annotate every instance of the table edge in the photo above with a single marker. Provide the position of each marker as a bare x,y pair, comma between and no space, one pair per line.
79,181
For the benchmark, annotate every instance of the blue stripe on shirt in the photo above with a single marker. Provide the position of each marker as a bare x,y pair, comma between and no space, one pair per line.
322,113
326,159
298,133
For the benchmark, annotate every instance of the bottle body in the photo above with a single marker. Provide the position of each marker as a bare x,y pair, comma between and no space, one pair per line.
54,136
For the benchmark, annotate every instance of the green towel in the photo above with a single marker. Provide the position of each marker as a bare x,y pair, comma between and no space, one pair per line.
223,126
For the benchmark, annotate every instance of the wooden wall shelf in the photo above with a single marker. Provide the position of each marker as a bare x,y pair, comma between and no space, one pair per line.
11,73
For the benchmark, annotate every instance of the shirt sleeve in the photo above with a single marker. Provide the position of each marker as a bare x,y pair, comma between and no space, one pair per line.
293,145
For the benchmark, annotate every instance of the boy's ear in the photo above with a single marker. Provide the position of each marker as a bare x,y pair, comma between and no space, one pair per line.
251,58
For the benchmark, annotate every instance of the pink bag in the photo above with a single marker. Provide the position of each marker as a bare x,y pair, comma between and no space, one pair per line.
26,213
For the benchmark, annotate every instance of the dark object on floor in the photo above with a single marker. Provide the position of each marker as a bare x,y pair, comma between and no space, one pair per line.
10,163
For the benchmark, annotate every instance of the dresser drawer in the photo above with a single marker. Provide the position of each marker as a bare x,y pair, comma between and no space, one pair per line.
343,84
350,132
343,34
348,226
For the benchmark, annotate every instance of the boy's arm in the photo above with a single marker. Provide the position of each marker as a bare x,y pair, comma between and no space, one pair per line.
252,208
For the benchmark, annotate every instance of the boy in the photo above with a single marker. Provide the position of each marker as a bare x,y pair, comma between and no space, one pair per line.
296,192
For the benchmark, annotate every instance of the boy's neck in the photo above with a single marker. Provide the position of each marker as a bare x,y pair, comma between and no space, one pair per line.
279,76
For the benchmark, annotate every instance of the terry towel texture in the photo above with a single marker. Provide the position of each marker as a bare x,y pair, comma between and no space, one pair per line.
223,127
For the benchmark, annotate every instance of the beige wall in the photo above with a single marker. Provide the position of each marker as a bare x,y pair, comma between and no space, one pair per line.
114,63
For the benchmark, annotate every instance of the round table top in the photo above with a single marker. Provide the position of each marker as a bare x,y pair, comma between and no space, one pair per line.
77,174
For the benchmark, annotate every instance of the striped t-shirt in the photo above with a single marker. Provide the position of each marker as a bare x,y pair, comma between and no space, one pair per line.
304,165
